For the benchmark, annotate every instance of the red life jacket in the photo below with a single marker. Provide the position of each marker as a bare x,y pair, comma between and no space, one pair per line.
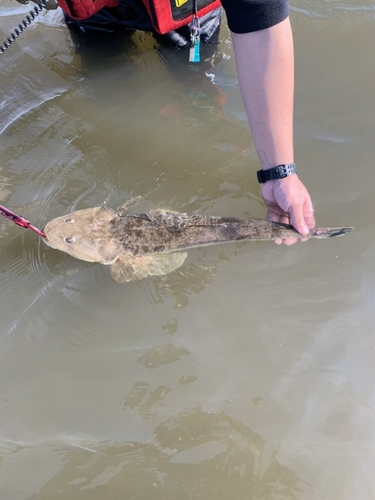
166,15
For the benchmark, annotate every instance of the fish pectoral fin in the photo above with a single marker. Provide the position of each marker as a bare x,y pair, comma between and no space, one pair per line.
137,268
132,202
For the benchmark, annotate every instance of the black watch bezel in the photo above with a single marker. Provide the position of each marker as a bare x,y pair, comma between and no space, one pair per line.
279,172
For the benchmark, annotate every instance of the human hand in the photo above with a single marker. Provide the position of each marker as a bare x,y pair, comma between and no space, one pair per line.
288,201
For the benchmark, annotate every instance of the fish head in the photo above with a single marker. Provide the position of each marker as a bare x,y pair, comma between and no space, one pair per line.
84,234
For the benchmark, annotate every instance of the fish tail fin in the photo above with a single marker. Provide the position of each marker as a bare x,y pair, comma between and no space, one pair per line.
330,232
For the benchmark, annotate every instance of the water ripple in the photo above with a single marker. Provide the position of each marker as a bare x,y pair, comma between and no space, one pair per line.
330,8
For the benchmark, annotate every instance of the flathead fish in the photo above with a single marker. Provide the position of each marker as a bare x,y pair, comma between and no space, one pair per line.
152,243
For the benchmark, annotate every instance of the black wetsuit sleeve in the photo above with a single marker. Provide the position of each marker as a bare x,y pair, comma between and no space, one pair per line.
245,16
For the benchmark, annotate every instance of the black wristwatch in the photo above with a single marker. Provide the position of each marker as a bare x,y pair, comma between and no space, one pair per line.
278,172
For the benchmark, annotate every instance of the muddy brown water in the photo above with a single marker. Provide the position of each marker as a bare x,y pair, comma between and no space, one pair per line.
250,371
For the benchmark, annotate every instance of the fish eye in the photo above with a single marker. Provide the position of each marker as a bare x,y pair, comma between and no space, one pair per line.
69,220
70,240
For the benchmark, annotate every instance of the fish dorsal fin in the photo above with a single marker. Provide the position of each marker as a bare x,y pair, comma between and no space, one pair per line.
135,268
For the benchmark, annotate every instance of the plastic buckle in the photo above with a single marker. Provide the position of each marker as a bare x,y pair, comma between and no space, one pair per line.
194,54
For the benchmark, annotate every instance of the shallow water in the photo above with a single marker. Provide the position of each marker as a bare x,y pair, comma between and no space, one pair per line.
247,373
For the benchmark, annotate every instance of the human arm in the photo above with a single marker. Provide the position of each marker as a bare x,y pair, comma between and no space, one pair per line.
265,65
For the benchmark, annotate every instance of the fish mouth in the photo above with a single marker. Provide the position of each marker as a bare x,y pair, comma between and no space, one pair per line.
46,240
48,243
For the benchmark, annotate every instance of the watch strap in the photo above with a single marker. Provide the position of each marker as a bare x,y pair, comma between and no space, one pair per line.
278,172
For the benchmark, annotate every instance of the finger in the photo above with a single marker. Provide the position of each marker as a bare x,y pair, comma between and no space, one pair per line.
272,216
276,214
284,219
290,241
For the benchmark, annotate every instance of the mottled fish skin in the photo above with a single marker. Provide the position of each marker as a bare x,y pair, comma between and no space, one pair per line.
142,244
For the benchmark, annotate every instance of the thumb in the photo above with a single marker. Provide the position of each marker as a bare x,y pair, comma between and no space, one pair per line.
297,219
